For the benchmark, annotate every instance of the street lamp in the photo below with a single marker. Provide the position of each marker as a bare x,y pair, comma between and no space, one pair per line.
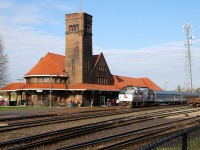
50,95
50,90
166,85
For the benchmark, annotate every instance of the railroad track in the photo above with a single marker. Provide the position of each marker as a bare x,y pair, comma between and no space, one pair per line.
47,115
52,137
9,126
27,124
6,118
136,137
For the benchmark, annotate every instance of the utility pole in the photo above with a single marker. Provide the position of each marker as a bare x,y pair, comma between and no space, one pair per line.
188,60
166,85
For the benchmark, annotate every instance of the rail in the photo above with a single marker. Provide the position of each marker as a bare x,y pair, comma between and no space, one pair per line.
185,139
82,130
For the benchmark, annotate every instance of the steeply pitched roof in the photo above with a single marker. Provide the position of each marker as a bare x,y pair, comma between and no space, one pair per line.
121,81
95,59
50,64
151,84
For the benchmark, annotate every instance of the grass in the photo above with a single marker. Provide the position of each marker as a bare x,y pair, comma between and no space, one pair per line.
6,108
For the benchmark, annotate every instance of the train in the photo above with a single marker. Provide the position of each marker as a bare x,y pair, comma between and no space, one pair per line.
131,96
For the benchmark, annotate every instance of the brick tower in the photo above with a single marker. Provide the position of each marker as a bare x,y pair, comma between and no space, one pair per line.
78,48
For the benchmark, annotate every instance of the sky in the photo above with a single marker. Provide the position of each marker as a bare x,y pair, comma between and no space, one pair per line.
139,38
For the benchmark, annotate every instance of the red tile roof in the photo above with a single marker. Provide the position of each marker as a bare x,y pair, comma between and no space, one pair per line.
13,87
50,64
151,84
43,86
93,87
121,82
70,87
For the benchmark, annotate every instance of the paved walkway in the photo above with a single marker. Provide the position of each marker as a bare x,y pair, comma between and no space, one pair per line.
56,110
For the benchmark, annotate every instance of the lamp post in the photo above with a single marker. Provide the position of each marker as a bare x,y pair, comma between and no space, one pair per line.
166,85
50,90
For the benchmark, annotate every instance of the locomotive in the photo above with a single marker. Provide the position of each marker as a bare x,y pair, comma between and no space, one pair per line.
139,97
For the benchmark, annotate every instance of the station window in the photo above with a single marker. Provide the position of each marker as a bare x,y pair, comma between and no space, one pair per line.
42,80
45,79
102,80
39,80
28,80
102,68
42,97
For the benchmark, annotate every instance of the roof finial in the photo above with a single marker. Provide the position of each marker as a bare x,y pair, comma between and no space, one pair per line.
80,5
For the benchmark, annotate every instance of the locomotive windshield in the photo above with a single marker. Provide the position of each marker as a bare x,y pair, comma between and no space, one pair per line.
138,92
123,91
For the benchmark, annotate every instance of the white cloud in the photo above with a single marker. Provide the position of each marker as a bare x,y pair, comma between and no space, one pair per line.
5,5
63,6
25,46
162,63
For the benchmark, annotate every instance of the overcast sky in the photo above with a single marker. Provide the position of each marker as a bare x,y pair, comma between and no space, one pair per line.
139,38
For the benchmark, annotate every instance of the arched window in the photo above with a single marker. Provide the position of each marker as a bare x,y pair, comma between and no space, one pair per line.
73,65
77,27
74,28
70,28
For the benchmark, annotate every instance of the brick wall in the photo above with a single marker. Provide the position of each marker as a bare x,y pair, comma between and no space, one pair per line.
78,56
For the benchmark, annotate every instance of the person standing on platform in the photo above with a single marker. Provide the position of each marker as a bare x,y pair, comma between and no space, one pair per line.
112,102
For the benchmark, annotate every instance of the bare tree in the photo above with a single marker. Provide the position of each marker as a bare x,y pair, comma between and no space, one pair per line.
3,65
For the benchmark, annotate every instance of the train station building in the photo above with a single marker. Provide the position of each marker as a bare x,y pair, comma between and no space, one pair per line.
79,76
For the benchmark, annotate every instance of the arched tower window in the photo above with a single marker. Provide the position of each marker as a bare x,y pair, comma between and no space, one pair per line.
70,28
77,27
74,28
73,64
